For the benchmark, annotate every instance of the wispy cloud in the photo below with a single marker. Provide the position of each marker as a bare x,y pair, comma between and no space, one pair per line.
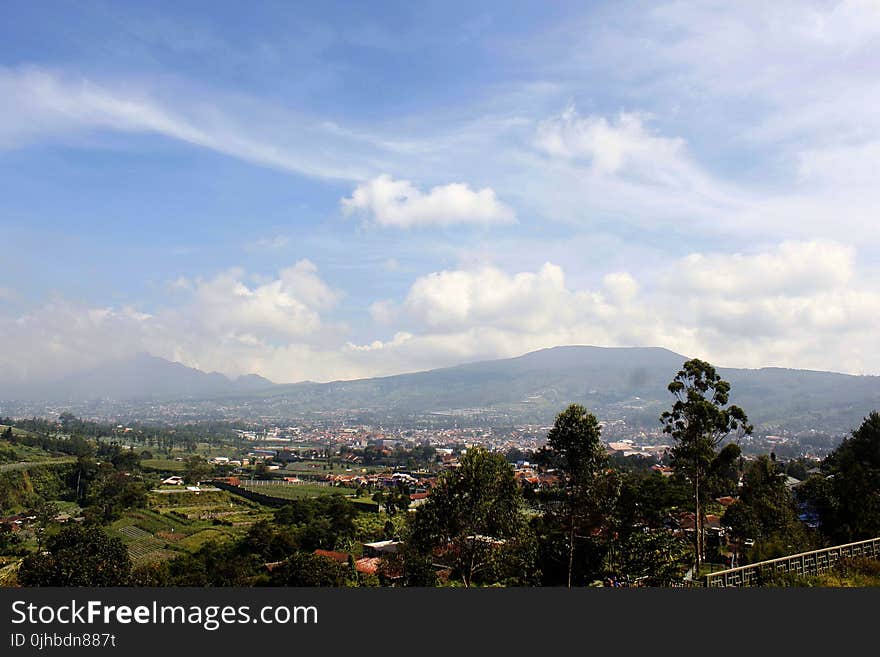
39,103
275,243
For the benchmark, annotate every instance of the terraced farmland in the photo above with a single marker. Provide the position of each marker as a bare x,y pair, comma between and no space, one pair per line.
168,529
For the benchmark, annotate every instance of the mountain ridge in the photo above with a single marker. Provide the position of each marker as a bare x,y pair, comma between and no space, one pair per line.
628,383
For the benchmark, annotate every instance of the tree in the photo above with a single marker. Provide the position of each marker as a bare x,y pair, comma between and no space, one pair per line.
195,469
724,471
653,557
78,556
473,517
305,569
848,498
699,420
394,499
766,512
45,513
588,489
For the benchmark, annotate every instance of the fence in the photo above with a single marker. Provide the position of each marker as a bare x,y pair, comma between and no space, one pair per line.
804,563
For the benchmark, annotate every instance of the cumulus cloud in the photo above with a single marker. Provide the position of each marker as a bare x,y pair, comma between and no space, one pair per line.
288,306
459,299
792,268
398,203
228,322
795,305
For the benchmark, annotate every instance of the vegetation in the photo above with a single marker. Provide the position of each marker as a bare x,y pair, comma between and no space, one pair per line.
473,518
95,515
698,421
846,496
78,556
583,501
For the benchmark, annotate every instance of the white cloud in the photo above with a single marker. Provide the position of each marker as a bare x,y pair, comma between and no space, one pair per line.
38,103
792,268
458,299
399,204
286,307
793,305
621,286
624,143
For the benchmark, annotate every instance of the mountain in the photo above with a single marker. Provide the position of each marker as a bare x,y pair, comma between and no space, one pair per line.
140,377
615,383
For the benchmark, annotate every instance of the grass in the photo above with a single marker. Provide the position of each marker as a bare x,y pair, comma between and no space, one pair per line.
163,465
293,491
364,502
197,540
848,573
9,572
48,460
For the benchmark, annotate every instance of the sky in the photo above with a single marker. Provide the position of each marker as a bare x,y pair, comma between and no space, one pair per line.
336,190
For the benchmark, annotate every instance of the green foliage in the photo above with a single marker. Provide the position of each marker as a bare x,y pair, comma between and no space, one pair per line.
216,563
848,499
25,488
767,513
196,469
269,543
724,471
473,517
395,499
700,417
652,558
699,420
78,556
305,569
320,523
584,504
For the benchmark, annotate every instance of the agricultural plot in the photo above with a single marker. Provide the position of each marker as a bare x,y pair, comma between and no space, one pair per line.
184,524
293,491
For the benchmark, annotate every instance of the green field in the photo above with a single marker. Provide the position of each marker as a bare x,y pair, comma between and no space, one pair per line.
294,491
163,465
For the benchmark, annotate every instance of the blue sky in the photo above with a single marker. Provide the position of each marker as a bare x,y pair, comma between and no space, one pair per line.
335,190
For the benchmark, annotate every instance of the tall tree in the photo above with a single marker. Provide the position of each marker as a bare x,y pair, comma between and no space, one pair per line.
699,420
473,516
587,491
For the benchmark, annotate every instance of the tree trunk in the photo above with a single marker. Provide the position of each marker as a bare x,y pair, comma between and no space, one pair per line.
698,526
570,549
